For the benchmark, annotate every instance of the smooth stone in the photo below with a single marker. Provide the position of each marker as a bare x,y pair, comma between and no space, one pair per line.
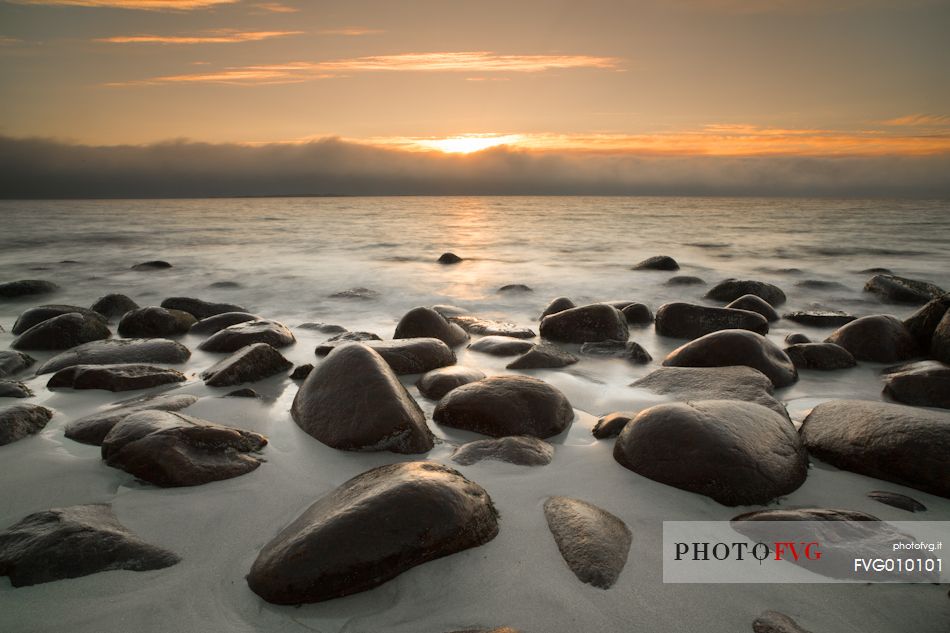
520,450
753,303
657,262
93,428
359,293
198,308
325,328
344,337
12,363
737,453
732,289
449,310
637,314
775,622
921,384
155,264
234,337
940,343
224,284
353,401
736,347
514,289
173,449
35,316
216,323
796,338
558,305
875,270
19,420
62,332
26,287
684,280
611,424
438,382
71,542
822,356
117,351
248,364
923,323
426,322
878,338
630,351
894,289
543,356
121,377
820,318
593,542
820,284
114,305
14,389
590,323
501,345
413,355
301,372
906,445
688,320
506,405
897,500
155,322
371,529
243,393
449,258
488,327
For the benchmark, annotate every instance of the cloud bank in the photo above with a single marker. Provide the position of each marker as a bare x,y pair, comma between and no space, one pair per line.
39,168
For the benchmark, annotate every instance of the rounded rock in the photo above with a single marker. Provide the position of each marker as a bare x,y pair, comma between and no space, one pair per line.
736,347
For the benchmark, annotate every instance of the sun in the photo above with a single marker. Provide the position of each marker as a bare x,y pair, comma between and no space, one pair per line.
468,143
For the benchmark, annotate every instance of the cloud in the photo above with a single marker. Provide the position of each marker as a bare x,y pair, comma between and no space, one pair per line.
801,7
352,31
32,168
219,36
920,120
276,7
143,5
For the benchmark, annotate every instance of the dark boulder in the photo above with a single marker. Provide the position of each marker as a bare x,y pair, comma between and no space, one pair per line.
688,320
12,363
155,322
923,323
753,303
506,405
521,450
92,429
921,384
243,393
198,308
820,284
173,449
19,420
216,323
823,356
37,315
543,356
796,338
737,453
630,351
426,322
637,314
558,305
449,258
736,347
940,343
413,355
593,542
590,323
501,345
338,546
344,337
358,293
611,424
26,288
488,327
301,372
248,364
155,264
878,338
438,382
113,305
122,377
325,328
775,622
514,289
62,332
72,542
732,289
894,289
820,318
234,337
906,445
897,500
657,262
116,351
353,401
684,280
14,389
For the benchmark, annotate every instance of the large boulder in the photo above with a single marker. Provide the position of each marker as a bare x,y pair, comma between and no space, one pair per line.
353,401
25,288
593,542
122,377
93,428
543,356
62,332
736,347
506,405
173,449
19,420
906,445
878,338
72,542
894,289
438,382
823,356
559,304
738,453
234,337
426,322
657,262
117,351
687,320
218,322
371,529
713,383
155,322
520,450
488,327
114,305
630,351
12,363
248,364
820,318
923,323
413,355
501,345
757,304
940,343
595,322
198,308
37,315
732,289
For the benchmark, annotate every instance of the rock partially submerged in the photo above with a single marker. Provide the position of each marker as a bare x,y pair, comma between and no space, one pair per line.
19,420
501,345
114,305
820,318
248,364
216,323
611,424
62,332
713,383
796,338
326,328
199,308
684,280
117,351
775,622
449,258
822,356
155,264
35,316
425,322
732,289
940,344
657,262
736,347
301,372
488,327
630,351
72,542
25,288
557,305
590,323
593,542
897,500
359,293
737,453
521,450
12,363
637,314
514,289
894,289
757,304
14,389
122,377
234,337
923,323
688,320
921,384
154,322
878,338
543,356
438,382
337,547
344,337
92,429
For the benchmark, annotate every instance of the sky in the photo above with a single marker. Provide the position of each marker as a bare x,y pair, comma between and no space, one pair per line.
184,97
